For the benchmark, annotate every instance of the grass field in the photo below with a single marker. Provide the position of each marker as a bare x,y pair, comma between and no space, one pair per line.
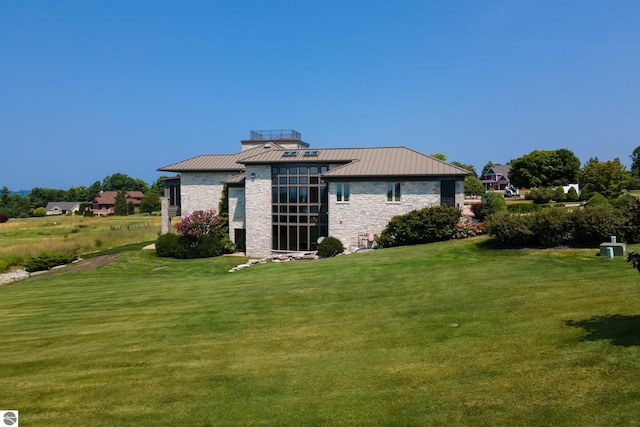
22,238
442,334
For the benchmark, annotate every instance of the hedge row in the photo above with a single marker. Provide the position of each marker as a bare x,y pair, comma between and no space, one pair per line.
551,227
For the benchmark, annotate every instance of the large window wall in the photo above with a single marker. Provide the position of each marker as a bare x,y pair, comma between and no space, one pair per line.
299,203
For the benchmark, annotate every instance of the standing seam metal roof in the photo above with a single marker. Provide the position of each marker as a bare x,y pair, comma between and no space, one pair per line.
356,162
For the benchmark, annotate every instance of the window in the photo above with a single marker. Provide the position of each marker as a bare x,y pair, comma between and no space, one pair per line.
393,191
342,191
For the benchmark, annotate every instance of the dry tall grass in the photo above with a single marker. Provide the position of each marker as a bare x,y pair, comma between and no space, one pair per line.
23,238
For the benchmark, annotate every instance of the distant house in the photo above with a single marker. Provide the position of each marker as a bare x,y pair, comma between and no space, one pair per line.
104,203
496,178
61,208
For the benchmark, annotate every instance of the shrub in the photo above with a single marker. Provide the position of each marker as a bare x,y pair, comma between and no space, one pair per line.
551,227
467,228
559,195
510,229
595,225
4,218
204,247
47,260
493,203
597,200
199,223
625,202
330,246
167,245
476,209
521,208
39,211
572,195
420,226
540,195
187,247
629,208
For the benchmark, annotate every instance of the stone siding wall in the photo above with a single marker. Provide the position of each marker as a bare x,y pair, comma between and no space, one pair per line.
368,212
237,210
201,190
258,210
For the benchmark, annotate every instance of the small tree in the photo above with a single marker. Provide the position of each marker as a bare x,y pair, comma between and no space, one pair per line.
473,187
572,195
150,203
120,207
559,195
493,203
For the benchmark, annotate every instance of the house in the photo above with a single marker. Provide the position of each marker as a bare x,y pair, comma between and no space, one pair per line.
496,178
284,196
104,203
61,208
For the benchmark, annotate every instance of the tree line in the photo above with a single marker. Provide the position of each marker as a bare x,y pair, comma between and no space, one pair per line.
554,168
18,206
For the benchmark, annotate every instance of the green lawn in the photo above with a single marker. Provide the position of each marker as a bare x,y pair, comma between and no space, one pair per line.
441,334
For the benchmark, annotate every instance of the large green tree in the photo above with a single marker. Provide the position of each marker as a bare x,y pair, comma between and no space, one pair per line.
123,182
470,168
607,178
545,168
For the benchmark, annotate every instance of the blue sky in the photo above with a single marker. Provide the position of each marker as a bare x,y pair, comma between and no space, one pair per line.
89,89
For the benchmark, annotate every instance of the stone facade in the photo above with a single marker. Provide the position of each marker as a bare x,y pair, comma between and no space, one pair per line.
237,210
258,210
367,212
201,190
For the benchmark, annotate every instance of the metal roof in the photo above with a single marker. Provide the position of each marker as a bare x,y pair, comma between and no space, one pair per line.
354,162
364,162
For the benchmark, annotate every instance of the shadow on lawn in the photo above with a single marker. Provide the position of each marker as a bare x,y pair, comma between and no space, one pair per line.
620,330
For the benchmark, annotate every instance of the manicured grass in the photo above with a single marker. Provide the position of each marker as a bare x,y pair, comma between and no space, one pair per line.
441,334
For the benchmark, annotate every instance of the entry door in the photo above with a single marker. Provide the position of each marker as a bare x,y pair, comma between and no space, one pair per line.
448,193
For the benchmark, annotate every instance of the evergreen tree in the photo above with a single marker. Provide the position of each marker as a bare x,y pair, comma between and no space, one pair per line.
120,208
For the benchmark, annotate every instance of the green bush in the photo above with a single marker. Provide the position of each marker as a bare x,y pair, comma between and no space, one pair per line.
521,207
551,227
39,212
625,202
47,260
167,245
330,246
510,229
493,203
572,195
559,195
597,200
421,226
595,225
187,247
541,195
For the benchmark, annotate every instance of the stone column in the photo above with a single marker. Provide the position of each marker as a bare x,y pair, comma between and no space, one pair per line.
166,221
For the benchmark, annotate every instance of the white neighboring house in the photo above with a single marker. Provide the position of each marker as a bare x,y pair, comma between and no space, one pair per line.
61,208
283,196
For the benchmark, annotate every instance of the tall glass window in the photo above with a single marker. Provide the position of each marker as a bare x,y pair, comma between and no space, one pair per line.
300,192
